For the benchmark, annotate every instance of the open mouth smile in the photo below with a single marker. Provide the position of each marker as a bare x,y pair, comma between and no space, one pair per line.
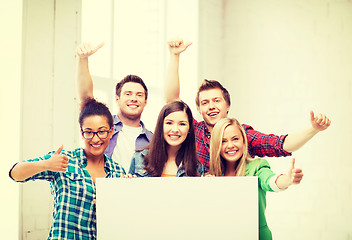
213,114
134,106
174,137
231,153
96,145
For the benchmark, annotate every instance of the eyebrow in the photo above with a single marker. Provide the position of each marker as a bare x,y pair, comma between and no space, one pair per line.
129,91
98,128
167,119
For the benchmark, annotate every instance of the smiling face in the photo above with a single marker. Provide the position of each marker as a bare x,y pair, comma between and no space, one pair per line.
96,146
132,100
232,144
176,127
212,106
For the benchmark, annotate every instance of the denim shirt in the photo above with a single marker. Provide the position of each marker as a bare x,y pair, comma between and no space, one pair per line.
137,166
141,141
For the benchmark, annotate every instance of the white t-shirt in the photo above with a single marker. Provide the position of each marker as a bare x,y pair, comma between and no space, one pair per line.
125,145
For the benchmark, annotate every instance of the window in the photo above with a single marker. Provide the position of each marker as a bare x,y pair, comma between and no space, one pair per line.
135,33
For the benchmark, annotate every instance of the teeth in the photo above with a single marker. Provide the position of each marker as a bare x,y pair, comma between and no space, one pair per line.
96,145
212,114
232,152
174,137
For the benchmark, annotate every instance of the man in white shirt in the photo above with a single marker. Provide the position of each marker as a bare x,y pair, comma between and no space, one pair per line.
131,96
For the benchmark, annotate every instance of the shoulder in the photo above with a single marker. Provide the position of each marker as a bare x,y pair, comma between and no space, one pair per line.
116,119
138,156
198,124
201,169
114,166
147,132
255,165
246,126
138,163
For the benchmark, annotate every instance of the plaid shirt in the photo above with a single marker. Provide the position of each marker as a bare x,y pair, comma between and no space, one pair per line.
73,192
259,144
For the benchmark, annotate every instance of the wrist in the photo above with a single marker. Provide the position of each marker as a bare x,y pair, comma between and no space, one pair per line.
43,165
314,130
82,59
174,55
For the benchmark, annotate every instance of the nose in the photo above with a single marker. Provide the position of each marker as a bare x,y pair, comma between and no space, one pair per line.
174,128
230,144
95,138
211,105
133,97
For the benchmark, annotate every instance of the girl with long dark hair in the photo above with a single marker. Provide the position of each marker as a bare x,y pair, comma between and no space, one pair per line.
172,150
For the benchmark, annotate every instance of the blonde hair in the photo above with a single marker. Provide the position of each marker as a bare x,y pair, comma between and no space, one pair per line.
216,164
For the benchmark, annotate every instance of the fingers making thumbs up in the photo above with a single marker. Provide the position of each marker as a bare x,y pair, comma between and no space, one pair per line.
295,174
320,121
87,49
57,162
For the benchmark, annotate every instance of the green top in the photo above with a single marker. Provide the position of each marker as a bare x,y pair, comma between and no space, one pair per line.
261,169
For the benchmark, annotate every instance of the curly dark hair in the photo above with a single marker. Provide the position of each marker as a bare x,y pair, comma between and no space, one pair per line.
91,107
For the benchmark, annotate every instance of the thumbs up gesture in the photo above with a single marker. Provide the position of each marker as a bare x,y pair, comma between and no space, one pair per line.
57,162
87,49
320,122
295,174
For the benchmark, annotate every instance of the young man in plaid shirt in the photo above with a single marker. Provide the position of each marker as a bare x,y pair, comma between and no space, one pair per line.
213,103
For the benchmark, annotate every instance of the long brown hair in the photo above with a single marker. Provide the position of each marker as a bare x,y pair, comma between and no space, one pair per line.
217,163
157,155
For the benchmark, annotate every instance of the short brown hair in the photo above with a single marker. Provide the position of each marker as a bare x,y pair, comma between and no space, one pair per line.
131,78
211,84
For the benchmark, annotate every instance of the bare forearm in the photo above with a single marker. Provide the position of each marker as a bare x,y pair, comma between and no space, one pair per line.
296,140
25,170
84,79
172,84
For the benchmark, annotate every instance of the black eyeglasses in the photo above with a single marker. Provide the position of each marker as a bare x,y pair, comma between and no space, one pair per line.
90,134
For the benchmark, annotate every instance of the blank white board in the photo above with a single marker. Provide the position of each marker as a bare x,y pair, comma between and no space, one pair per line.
177,208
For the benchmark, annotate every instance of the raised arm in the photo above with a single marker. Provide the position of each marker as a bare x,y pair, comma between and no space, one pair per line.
83,77
24,170
296,140
271,145
172,84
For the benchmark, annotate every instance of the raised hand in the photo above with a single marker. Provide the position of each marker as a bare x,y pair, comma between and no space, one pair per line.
319,122
57,162
177,46
295,175
87,49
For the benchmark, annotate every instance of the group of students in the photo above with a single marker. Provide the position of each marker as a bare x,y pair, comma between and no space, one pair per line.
120,145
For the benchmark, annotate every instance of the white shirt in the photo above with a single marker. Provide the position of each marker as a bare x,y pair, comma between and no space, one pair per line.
125,145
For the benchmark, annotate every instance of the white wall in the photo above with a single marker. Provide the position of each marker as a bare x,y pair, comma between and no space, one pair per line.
282,59
10,88
290,56
49,107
